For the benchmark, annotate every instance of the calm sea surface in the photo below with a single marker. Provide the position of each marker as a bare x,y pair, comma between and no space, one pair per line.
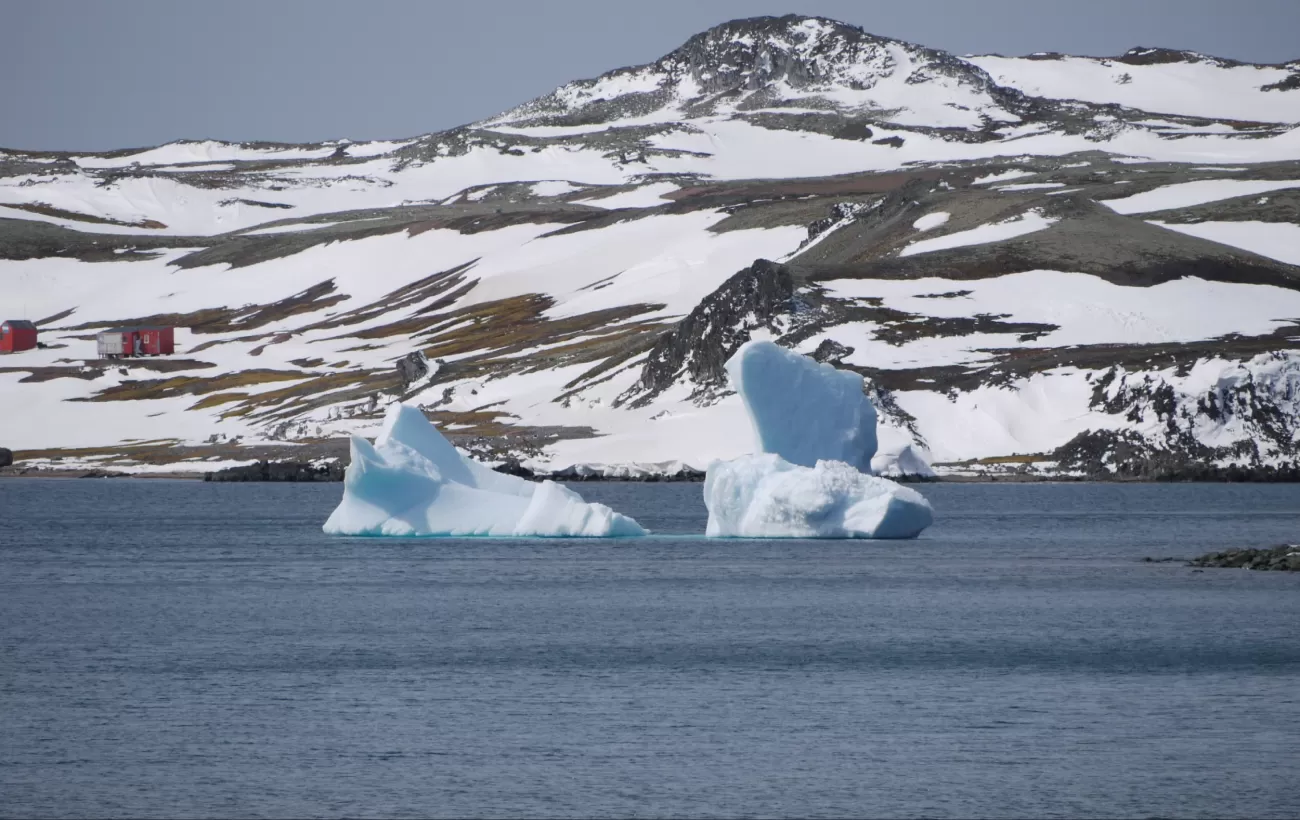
177,649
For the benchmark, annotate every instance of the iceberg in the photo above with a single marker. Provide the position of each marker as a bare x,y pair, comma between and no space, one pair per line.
907,461
803,410
412,481
817,432
765,496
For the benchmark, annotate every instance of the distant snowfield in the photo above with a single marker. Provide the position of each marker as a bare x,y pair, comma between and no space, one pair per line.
671,260
208,151
720,149
1190,89
1089,310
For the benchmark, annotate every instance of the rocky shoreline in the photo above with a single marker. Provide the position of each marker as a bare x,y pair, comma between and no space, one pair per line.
1283,558
297,471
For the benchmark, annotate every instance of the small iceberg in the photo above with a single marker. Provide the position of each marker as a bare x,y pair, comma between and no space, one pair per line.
817,430
412,481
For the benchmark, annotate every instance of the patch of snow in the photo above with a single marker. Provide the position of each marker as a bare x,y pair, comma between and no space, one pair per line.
1026,223
303,226
1187,194
646,196
930,221
208,166
376,148
554,187
1276,240
1001,176
1030,186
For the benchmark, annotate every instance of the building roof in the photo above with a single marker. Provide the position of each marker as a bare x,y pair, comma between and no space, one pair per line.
19,324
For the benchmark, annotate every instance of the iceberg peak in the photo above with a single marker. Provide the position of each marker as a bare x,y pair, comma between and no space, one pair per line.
412,481
803,410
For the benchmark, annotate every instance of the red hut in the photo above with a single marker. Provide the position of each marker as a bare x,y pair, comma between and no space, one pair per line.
16,335
123,342
157,341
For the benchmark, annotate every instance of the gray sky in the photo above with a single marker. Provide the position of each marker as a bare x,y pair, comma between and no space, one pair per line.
98,75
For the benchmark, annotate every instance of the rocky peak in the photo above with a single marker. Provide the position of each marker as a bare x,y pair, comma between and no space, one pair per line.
1143,55
754,53
764,61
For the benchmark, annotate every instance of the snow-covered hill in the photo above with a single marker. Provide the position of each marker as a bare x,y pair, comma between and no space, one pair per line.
1036,261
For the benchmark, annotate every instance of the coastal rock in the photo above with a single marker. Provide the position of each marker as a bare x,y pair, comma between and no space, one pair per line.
6,457
280,471
1284,558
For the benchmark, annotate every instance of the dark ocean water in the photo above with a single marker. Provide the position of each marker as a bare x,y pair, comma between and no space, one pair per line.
176,649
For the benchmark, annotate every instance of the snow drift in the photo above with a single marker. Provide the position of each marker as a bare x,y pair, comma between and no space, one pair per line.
818,432
412,481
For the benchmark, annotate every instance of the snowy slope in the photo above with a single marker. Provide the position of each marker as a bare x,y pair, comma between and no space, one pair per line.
562,283
1159,81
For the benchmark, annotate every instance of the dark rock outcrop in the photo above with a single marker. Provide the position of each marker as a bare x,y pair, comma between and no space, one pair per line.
699,346
576,474
511,466
1284,558
1110,455
6,457
411,368
280,471
840,211
831,352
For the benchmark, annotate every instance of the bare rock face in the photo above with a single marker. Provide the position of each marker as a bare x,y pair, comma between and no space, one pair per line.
1258,399
831,352
6,457
699,346
412,367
